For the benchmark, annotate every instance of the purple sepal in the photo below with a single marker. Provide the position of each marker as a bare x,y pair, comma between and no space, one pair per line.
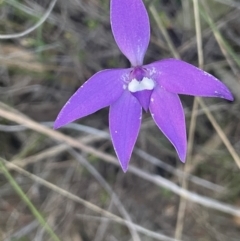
179,77
131,28
124,123
168,114
101,90
143,98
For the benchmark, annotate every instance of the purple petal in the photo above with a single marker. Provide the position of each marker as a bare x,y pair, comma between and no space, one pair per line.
101,90
124,123
168,114
131,29
179,77
144,98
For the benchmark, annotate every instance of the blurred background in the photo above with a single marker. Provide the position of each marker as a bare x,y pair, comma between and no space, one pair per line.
69,186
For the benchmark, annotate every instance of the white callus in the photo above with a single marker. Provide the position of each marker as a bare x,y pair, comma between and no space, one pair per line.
144,84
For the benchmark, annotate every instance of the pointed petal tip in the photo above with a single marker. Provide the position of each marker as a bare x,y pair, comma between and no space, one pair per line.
182,158
182,152
59,122
230,97
224,93
56,125
122,162
124,168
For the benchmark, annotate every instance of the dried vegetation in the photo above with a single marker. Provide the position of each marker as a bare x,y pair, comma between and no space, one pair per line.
77,185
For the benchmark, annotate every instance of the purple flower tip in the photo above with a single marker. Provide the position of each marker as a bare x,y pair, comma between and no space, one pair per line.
154,87
56,126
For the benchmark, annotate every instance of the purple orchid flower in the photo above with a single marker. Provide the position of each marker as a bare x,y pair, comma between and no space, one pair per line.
154,86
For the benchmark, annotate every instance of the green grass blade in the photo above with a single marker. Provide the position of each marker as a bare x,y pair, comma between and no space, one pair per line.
27,201
218,35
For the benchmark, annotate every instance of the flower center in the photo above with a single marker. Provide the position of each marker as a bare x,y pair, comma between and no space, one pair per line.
144,84
141,86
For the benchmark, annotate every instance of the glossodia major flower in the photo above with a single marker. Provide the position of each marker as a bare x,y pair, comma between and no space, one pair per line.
154,87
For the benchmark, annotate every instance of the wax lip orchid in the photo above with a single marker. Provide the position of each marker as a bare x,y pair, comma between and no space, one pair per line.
154,87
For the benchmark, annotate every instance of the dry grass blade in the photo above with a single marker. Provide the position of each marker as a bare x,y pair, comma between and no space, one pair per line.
207,202
179,173
40,71
27,201
23,120
163,30
87,204
109,190
37,25
211,118
220,132
226,49
184,181
52,151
